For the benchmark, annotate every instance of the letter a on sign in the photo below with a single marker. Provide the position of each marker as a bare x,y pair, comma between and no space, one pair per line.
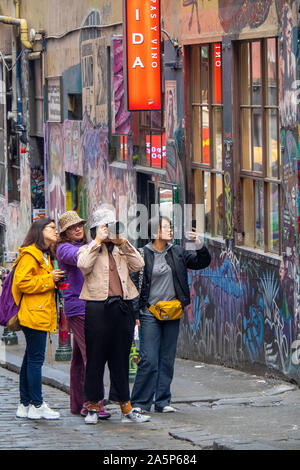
142,21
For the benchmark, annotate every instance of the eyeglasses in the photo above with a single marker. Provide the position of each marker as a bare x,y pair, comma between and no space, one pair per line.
75,227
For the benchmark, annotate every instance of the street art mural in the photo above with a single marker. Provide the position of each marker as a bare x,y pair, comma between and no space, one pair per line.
99,183
121,119
237,316
228,16
73,161
54,164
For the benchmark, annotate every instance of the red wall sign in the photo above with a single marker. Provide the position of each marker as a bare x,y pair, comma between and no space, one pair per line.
143,55
218,73
156,151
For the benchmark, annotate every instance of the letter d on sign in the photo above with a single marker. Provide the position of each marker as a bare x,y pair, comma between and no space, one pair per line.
137,38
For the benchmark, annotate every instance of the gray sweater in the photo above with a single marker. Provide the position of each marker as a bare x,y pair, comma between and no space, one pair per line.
162,285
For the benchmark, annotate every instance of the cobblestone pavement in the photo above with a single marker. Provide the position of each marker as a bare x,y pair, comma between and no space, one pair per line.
218,408
70,432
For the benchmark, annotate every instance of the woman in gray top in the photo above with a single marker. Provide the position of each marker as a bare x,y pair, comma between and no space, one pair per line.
164,278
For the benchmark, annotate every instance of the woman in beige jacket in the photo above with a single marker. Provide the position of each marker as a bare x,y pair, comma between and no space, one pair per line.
106,264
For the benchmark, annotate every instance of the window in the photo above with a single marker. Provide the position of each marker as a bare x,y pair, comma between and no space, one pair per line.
259,142
13,166
75,107
207,139
149,139
36,98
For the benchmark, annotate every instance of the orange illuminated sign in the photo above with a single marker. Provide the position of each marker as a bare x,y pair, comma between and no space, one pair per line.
143,55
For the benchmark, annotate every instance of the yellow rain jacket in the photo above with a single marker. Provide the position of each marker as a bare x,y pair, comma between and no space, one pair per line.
33,279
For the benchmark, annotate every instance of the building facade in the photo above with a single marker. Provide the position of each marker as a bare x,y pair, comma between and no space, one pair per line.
224,146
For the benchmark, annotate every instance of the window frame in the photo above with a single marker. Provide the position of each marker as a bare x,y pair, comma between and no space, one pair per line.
211,167
259,176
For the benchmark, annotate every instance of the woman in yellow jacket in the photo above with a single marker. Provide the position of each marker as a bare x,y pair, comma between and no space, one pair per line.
33,289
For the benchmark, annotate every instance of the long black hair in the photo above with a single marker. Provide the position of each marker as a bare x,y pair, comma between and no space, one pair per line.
35,234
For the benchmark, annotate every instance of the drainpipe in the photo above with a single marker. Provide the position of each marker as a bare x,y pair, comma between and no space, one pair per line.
23,28
16,74
18,71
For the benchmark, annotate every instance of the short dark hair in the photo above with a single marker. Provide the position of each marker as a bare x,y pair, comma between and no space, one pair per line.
35,233
155,224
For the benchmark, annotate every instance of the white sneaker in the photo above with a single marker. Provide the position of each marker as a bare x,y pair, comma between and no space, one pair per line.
22,411
91,417
42,412
134,417
167,409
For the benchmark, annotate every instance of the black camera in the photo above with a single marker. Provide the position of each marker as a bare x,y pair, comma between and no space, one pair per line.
115,228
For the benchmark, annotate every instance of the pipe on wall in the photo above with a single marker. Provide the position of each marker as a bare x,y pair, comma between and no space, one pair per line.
22,23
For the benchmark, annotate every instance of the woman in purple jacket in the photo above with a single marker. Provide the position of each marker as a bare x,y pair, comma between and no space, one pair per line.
72,237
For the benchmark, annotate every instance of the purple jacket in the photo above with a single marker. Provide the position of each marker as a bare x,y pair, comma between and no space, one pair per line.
66,255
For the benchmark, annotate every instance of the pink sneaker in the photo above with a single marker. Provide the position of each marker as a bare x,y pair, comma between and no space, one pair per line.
84,409
102,413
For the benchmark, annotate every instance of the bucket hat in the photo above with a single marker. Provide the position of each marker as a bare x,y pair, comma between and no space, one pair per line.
102,216
68,219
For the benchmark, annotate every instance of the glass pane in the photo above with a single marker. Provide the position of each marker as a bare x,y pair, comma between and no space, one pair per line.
219,207
2,180
196,74
207,201
205,136
199,214
257,140
166,202
271,72
272,142
259,213
204,74
217,75
156,121
218,138
196,135
246,139
245,73
273,218
248,212
144,148
256,73
1,145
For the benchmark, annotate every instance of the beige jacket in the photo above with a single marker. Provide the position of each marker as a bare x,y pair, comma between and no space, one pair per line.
95,269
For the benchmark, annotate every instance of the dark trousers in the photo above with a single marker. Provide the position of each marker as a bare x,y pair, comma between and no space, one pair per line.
77,369
31,370
109,329
156,365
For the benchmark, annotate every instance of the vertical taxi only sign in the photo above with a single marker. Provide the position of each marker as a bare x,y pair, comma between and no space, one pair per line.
143,54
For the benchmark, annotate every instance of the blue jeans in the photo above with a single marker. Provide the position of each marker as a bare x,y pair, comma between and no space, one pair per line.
31,370
156,365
